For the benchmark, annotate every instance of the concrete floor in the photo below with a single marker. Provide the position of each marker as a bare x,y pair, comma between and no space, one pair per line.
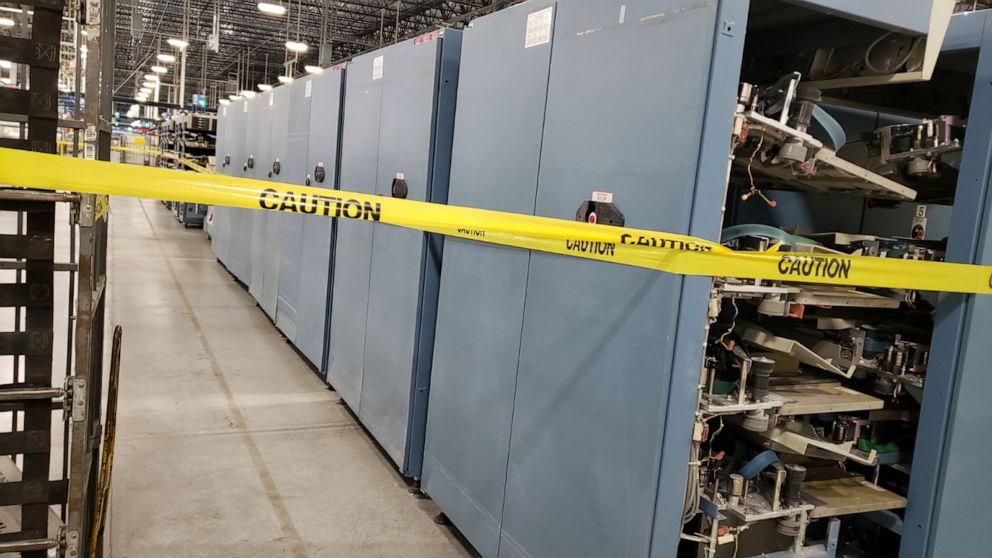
228,444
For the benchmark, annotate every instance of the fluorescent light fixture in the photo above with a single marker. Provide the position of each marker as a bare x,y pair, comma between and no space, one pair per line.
6,22
224,102
313,69
144,91
6,81
264,87
285,79
151,77
150,84
296,46
247,94
159,69
140,98
83,49
166,58
272,8
177,43
234,97
11,10
85,33
6,64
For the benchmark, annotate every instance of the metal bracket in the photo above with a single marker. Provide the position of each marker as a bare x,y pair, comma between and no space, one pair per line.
72,544
78,399
87,210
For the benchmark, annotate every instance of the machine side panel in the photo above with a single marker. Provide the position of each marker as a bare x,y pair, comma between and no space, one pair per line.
292,170
241,219
220,222
409,74
317,237
353,250
598,339
502,91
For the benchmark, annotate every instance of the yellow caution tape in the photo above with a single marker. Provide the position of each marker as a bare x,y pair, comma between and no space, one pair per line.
672,253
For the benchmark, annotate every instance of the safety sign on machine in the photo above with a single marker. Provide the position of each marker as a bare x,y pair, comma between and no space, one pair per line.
667,252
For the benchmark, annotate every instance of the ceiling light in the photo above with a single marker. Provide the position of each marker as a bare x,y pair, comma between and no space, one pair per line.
6,22
224,102
247,94
5,64
264,87
140,98
234,97
150,84
296,46
177,43
313,69
11,10
151,77
83,49
272,8
159,69
144,90
6,81
285,79
166,58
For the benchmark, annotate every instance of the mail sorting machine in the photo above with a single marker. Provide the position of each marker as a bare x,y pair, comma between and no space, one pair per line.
283,256
583,409
396,141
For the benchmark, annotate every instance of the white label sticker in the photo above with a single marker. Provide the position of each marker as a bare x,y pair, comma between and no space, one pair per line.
539,27
921,211
377,67
602,197
90,152
308,89
623,14
400,176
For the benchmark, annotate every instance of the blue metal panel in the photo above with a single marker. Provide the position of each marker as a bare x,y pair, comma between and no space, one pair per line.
597,341
267,132
950,487
965,31
353,254
292,170
317,235
706,222
239,252
500,119
220,224
912,16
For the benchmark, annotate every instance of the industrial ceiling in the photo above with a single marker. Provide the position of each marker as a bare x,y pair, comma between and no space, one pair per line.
252,45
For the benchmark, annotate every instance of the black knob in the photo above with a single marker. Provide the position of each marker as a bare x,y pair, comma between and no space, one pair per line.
400,189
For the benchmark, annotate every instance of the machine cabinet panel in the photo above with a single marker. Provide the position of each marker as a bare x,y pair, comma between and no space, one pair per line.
399,107
502,90
269,128
292,170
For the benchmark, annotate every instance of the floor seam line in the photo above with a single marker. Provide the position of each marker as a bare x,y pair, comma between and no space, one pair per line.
297,546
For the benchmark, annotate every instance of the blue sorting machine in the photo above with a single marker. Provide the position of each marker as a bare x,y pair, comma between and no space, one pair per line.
396,141
562,391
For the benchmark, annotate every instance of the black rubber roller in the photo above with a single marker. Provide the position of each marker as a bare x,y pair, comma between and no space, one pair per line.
794,477
761,372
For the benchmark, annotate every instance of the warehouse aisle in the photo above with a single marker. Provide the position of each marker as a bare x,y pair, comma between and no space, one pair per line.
228,444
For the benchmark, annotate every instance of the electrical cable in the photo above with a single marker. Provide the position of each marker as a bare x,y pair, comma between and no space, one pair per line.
733,325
